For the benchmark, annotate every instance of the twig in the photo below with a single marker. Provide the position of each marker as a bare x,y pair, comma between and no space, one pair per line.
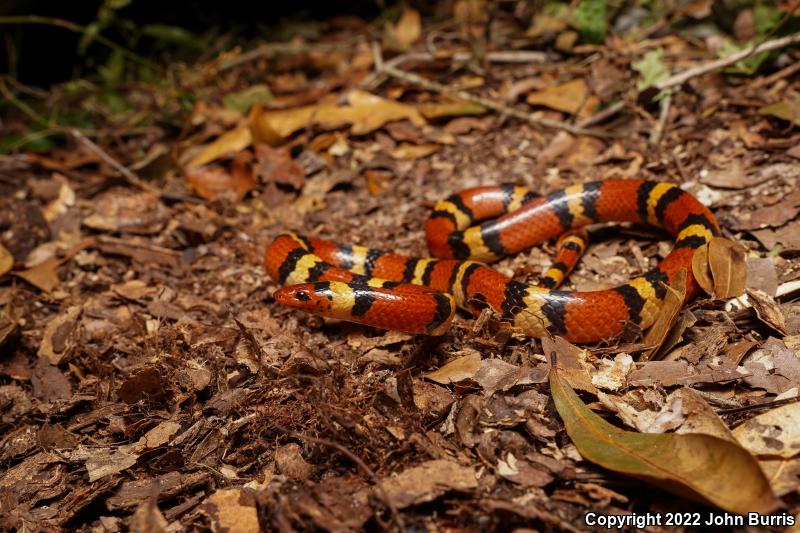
658,130
398,520
489,104
126,173
774,44
602,115
269,49
500,56
772,78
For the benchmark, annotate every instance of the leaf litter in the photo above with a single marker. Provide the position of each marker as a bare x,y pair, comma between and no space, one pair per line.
151,382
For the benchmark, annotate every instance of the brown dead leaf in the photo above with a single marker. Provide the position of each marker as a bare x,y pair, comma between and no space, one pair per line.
216,183
376,181
762,275
128,211
6,260
413,151
400,36
227,144
771,216
290,463
728,267
701,270
428,481
58,336
432,110
148,519
364,113
572,97
571,362
767,310
775,432
231,510
458,369
787,237
667,315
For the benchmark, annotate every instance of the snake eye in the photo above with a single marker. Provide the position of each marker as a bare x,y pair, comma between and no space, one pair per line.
302,296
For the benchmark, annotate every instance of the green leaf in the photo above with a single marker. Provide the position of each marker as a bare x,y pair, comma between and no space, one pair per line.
651,68
242,101
173,35
765,17
700,467
590,19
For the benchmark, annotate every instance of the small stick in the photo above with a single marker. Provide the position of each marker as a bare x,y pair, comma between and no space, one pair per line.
126,173
469,97
774,44
658,131
602,115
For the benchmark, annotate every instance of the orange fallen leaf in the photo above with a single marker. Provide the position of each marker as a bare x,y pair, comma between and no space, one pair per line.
214,182
572,97
230,142
364,113
400,36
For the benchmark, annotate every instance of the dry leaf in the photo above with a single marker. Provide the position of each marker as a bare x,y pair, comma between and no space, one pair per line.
228,143
231,510
413,151
450,109
728,267
767,310
148,519
776,432
701,270
428,481
457,370
58,336
364,112
571,363
216,183
571,97
6,260
43,276
697,466
667,315
399,37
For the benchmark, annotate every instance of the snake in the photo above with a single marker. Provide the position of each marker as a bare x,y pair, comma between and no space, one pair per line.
480,225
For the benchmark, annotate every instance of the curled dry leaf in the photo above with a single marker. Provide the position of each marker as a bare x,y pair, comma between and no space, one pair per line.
720,268
364,113
697,466
667,315
767,310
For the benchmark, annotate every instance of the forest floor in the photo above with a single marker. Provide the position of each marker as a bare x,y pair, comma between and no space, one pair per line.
149,380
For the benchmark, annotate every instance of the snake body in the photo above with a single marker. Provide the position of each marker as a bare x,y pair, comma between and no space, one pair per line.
480,225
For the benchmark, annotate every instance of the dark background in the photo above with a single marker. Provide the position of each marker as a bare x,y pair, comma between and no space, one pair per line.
47,54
